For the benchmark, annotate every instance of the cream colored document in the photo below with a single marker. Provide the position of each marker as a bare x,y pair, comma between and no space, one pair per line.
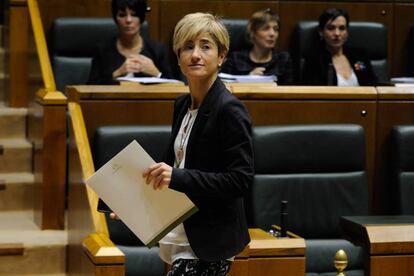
149,214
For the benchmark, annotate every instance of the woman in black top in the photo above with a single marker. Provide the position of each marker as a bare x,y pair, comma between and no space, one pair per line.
128,54
333,63
262,58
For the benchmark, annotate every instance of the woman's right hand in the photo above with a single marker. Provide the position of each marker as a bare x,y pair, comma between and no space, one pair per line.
131,65
112,215
258,71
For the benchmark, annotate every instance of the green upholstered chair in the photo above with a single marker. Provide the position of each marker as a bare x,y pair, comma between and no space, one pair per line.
320,171
108,141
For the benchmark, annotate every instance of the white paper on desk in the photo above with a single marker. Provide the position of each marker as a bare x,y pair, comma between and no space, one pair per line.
246,78
403,80
149,214
148,80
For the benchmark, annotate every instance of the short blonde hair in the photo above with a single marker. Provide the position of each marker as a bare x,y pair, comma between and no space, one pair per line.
259,19
194,24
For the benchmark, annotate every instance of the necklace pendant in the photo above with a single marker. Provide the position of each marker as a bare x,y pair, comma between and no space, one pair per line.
180,155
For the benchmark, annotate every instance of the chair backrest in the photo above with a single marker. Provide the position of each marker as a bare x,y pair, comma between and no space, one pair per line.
319,169
108,141
237,29
73,43
369,36
402,181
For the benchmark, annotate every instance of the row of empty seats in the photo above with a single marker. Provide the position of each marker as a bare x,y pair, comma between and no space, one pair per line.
319,169
71,58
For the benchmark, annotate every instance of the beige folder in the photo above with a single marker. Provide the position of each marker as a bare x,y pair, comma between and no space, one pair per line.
148,213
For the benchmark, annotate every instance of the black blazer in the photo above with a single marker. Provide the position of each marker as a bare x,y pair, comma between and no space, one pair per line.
316,67
107,59
218,172
239,63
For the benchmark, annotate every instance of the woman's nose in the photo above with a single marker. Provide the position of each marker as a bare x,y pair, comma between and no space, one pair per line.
195,55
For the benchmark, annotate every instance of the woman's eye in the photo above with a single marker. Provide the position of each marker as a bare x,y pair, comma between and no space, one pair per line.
205,46
121,14
188,47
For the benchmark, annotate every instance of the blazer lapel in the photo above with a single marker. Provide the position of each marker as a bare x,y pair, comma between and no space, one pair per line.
209,102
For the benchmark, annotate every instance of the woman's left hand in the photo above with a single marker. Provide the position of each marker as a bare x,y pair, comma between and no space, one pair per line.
147,66
158,175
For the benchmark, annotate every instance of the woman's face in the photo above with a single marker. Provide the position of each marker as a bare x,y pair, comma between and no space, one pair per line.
266,36
335,33
199,58
128,22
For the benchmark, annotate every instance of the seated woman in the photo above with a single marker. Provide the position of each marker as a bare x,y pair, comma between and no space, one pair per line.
262,58
128,54
334,63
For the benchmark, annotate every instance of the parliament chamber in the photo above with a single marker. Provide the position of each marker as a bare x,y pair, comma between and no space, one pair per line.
346,168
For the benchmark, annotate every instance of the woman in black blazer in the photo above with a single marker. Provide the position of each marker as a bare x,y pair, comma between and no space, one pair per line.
210,157
128,54
333,63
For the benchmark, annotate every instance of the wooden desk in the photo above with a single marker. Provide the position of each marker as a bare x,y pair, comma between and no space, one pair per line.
388,240
267,255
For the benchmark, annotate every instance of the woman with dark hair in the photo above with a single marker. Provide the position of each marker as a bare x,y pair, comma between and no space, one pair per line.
334,63
128,54
262,58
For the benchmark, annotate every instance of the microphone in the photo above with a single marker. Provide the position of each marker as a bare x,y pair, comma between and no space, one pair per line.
283,218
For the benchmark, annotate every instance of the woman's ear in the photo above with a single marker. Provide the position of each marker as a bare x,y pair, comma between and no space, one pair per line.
222,56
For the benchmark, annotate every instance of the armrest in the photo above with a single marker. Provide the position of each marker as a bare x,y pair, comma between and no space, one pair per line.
101,250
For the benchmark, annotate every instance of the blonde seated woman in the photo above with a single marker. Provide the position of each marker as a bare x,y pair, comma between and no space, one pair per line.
263,58
333,63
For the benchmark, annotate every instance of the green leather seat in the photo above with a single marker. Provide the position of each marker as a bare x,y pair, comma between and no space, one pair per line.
320,170
108,141
402,169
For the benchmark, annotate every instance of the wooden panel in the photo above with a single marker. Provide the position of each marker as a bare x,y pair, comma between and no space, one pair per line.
277,266
9,249
292,11
391,265
47,132
403,21
18,57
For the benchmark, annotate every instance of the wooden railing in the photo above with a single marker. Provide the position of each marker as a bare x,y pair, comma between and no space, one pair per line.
41,46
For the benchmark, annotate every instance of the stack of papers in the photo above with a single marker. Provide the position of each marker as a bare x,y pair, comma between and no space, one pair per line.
149,214
246,78
148,80
403,80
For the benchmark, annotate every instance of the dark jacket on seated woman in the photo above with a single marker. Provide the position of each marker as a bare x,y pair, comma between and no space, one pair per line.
239,63
108,59
317,66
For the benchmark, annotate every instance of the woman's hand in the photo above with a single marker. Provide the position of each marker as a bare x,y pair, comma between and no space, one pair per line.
158,175
112,215
137,64
147,66
258,71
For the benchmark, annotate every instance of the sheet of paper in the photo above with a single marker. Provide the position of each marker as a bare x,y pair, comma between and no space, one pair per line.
246,78
149,214
148,80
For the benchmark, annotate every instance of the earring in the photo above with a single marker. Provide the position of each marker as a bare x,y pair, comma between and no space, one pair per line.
219,65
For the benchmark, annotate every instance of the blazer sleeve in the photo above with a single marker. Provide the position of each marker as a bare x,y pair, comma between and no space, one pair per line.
232,172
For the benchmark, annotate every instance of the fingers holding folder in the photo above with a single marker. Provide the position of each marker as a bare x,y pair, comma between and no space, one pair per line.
158,175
